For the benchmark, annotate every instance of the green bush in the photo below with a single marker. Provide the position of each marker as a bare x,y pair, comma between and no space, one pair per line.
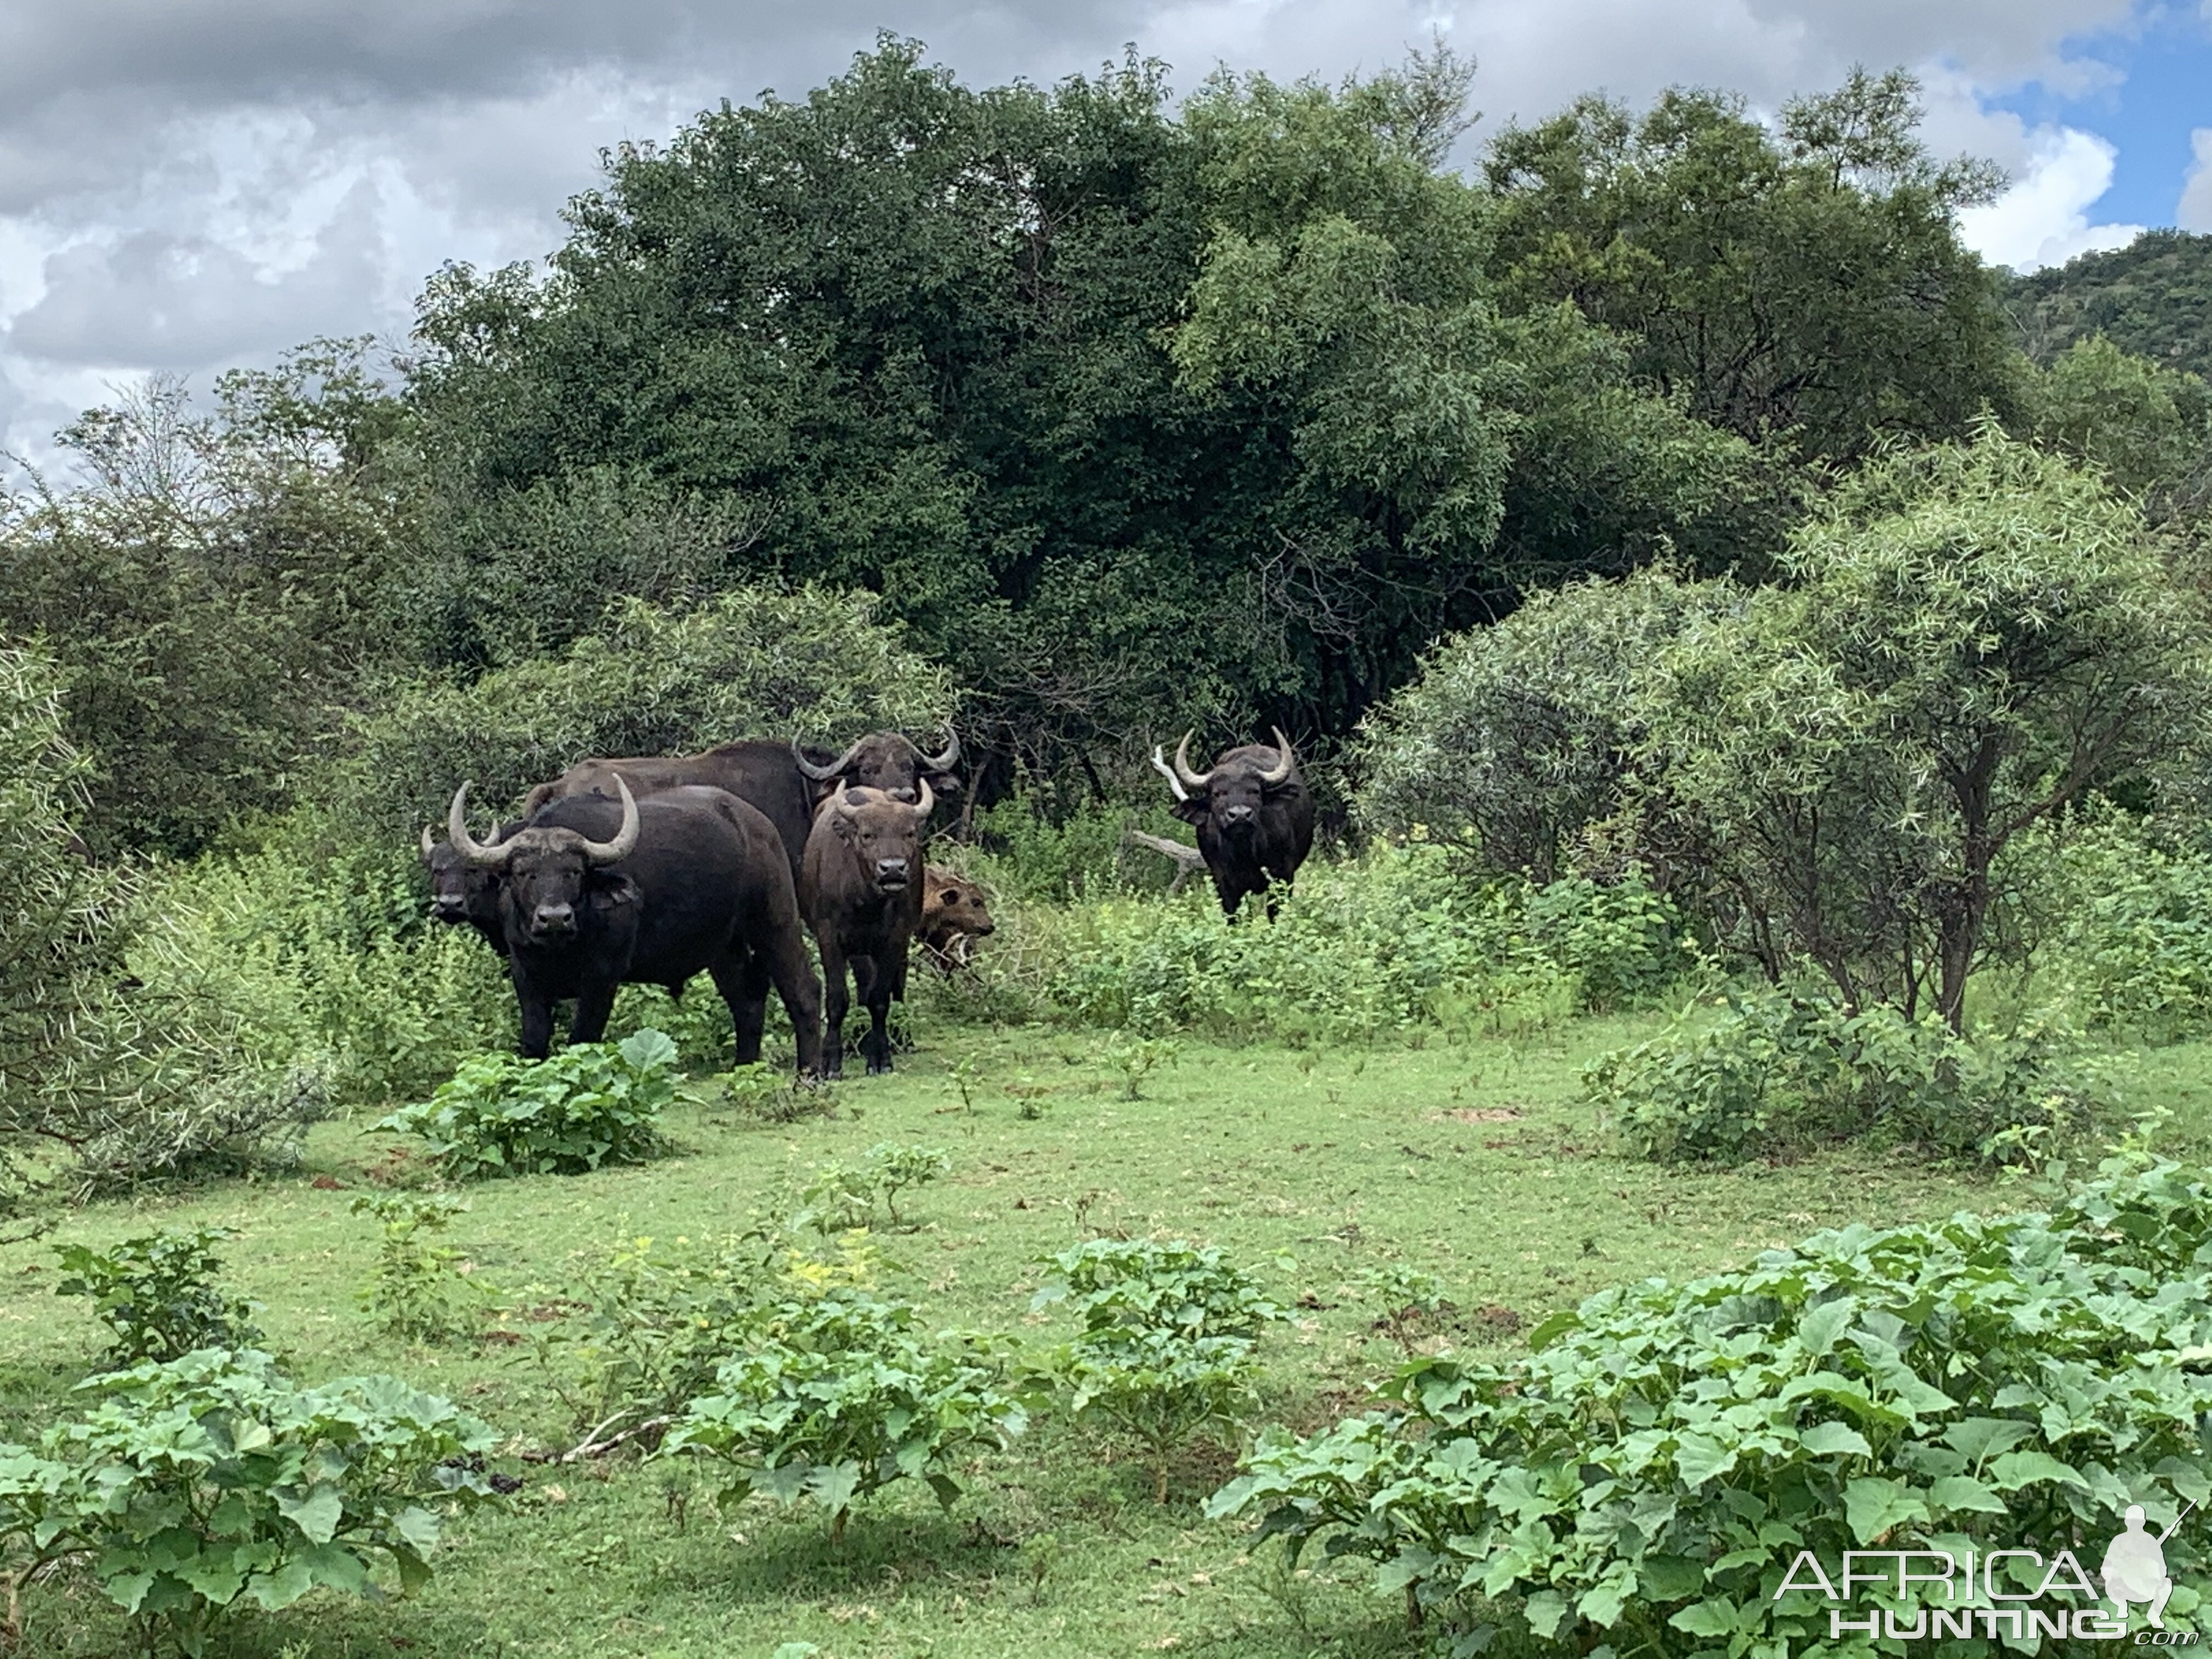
838,1396
211,1481
1649,1474
124,1054
643,1329
751,662
1397,941
1166,1351
2130,928
595,1104
838,1197
157,1294
422,1290
1777,1071
1033,855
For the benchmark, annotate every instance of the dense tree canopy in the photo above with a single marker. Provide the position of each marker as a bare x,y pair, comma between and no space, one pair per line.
1136,414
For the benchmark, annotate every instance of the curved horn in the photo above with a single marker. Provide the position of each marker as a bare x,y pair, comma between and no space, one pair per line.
430,841
824,773
475,854
1174,783
920,808
1190,780
1284,759
625,841
839,804
950,757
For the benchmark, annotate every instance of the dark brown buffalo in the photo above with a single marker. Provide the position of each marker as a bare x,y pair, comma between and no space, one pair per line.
761,773
856,887
886,761
954,915
594,894
1253,816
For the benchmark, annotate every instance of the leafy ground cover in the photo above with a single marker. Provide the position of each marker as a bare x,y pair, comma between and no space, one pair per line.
1479,1164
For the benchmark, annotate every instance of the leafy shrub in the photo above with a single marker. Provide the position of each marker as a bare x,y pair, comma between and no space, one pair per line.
197,1485
157,1293
839,1396
1165,1352
1133,1059
768,1094
1407,1300
594,1103
2128,927
642,1331
1779,1071
123,1056
422,1290
751,662
1655,1465
1034,854
837,1196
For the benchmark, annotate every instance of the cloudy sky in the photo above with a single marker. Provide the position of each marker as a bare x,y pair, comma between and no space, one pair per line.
190,184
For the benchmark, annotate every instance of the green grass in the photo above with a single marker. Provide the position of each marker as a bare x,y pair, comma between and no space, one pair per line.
1477,1163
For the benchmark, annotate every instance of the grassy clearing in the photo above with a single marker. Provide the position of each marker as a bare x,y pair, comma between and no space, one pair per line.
1477,1163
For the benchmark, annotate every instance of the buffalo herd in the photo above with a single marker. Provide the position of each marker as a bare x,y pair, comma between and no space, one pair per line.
651,870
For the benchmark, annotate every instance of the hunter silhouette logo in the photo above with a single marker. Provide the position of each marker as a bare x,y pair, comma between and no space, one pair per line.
2134,1567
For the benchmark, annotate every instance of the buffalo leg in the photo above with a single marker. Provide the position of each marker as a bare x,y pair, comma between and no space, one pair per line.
595,1006
536,1024
782,959
835,1000
748,1005
877,979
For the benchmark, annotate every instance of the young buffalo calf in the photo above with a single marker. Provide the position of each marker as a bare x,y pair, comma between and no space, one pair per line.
954,915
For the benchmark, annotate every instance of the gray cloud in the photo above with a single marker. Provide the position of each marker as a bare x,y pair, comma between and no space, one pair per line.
209,181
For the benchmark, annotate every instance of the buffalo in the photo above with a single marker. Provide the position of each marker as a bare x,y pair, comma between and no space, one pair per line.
761,773
858,887
887,763
1253,813
593,895
954,915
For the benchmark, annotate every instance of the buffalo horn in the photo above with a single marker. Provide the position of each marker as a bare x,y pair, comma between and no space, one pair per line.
825,774
1174,783
1283,760
921,808
950,757
838,803
625,841
475,854
1190,780
430,841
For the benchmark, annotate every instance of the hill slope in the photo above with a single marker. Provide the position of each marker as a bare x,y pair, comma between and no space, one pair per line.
2153,296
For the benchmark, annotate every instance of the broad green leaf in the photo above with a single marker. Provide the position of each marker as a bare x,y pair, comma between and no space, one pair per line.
1544,1610
1874,1505
1829,1439
317,1514
1963,1491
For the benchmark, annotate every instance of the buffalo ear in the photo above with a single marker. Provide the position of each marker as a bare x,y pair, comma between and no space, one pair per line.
610,892
1191,811
944,783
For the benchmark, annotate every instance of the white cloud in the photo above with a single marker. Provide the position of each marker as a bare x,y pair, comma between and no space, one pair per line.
2044,218
2194,212
192,183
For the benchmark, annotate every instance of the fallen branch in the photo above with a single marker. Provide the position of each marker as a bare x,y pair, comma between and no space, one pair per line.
1188,859
593,1446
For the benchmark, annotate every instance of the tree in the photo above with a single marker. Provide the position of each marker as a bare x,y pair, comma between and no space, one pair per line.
1133,416
2147,426
1802,285
1973,637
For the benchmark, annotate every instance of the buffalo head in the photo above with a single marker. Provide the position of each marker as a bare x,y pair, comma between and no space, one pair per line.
884,834
1234,793
953,905
544,872
890,763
